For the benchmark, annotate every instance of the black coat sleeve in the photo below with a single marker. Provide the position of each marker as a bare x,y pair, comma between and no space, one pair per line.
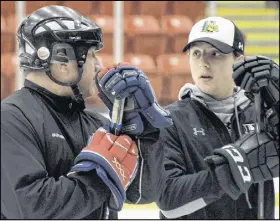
27,191
150,176
184,193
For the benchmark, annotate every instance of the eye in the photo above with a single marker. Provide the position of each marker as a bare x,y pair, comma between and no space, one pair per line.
216,53
196,53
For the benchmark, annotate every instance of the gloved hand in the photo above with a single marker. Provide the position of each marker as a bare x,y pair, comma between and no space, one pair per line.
258,72
244,162
254,73
115,159
124,81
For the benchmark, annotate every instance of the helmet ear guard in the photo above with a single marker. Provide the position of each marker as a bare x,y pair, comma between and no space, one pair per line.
62,53
57,34
39,32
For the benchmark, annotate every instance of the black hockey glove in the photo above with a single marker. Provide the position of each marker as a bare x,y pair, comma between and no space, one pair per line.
247,162
258,72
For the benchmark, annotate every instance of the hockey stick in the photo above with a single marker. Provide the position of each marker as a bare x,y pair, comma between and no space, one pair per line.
259,127
115,127
117,115
117,109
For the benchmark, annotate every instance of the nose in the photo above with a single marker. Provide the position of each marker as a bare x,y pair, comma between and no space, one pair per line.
98,68
204,61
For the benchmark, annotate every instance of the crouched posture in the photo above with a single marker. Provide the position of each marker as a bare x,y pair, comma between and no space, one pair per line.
58,159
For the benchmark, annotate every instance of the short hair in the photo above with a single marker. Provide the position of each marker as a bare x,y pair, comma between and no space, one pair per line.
235,53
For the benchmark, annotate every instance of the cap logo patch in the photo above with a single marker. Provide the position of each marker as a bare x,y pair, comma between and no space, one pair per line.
240,46
210,26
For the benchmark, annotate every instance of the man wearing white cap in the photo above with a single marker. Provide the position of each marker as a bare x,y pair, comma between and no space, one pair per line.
214,156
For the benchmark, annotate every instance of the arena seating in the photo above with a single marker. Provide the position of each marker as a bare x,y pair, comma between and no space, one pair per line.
107,7
177,28
8,33
32,6
173,64
7,8
195,10
146,35
153,8
147,64
154,35
107,25
8,70
105,59
176,72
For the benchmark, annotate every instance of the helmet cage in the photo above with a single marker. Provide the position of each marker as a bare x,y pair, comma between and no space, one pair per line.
43,35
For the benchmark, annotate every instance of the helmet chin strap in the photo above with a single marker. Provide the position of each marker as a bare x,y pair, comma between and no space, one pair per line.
78,95
74,85
63,53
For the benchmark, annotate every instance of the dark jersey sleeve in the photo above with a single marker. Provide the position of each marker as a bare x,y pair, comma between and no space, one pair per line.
27,191
184,193
150,176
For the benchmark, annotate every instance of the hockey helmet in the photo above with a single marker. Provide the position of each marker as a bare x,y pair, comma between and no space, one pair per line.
56,34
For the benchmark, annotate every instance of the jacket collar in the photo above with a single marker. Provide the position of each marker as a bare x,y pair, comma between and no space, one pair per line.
62,104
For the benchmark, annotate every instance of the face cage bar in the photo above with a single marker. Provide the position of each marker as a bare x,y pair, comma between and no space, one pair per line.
91,36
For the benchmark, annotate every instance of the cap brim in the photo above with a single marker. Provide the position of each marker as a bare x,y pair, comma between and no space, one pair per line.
224,48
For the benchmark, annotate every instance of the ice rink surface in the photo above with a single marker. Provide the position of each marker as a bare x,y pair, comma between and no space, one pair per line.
150,212
154,214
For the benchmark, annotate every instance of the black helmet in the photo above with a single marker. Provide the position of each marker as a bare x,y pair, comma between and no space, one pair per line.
53,25
57,34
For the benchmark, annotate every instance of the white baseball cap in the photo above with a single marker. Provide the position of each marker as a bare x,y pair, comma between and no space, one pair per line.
219,32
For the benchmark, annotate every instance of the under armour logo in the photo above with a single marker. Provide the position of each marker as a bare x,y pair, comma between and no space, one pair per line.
240,46
118,165
196,131
58,135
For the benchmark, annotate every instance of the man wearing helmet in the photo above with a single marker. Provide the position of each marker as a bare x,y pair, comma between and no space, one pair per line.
58,160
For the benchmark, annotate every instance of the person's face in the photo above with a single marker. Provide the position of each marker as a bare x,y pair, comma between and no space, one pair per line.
65,72
90,68
211,69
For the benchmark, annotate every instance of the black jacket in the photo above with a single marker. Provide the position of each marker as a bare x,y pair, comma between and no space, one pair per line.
191,190
41,134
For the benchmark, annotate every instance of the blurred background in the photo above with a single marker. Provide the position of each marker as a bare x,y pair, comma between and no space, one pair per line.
151,36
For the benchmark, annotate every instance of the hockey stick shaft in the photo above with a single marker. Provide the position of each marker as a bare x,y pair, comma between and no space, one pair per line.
259,127
115,127
117,115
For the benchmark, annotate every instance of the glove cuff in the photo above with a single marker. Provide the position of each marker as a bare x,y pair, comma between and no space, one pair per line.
118,194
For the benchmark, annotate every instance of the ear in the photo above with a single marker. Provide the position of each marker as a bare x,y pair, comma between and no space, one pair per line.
239,58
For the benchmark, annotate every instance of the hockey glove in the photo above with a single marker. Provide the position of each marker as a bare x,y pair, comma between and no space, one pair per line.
124,81
258,72
247,162
115,159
